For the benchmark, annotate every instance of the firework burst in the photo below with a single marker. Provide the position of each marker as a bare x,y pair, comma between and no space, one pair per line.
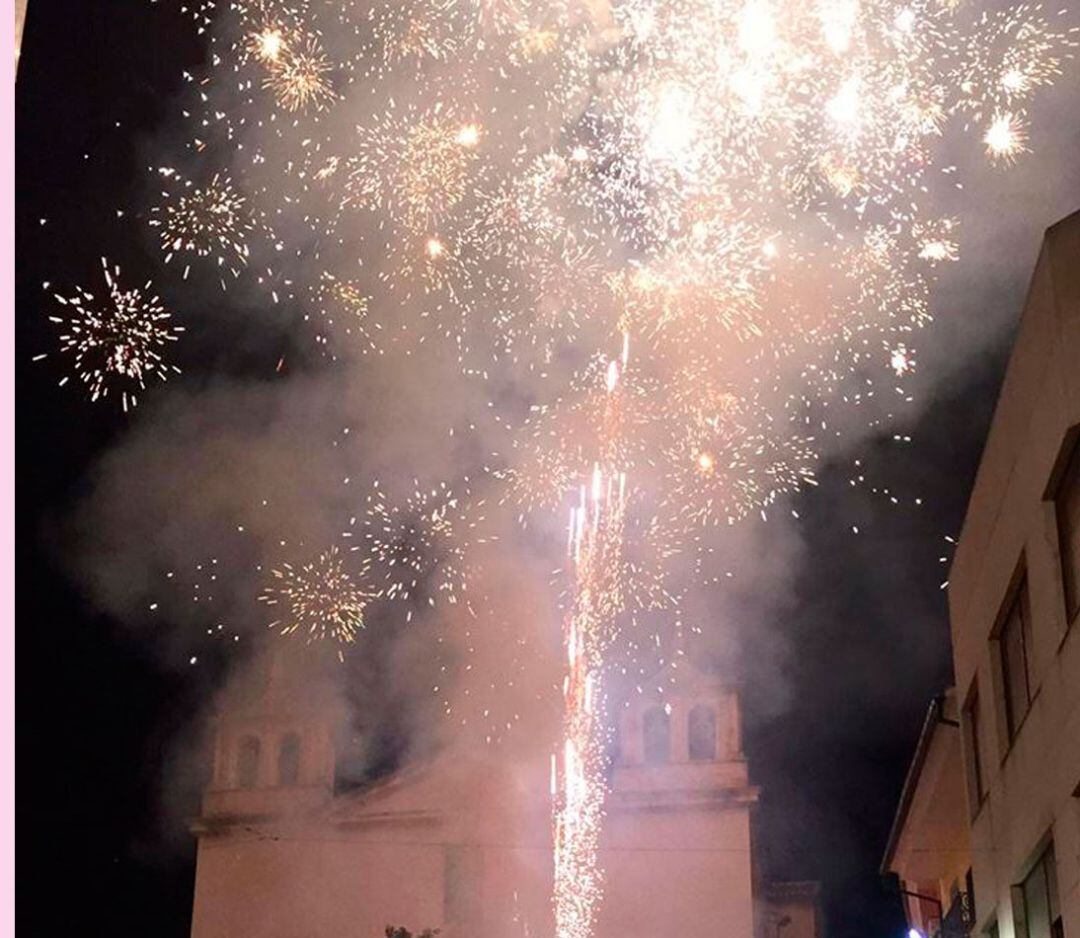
345,308
210,220
423,545
299,74
319,600
116,344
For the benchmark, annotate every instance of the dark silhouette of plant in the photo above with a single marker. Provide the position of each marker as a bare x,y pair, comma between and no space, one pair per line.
400,931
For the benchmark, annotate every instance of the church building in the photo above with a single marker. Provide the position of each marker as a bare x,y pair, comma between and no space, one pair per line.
464,844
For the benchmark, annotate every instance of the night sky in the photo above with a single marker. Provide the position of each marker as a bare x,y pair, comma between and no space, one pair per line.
858,645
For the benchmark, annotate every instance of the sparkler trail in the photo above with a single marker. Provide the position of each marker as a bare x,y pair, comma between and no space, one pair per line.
595,546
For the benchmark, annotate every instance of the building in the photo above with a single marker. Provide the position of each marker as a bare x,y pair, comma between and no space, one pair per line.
20,19
929,847
463,842
989,824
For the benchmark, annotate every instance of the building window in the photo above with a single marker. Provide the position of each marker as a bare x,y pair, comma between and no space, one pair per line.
1014,643
657,736
247,762
701,730
614,743
1041,910
1067,509
289,760
973,745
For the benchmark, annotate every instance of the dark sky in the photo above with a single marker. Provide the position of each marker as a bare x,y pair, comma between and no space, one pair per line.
861,643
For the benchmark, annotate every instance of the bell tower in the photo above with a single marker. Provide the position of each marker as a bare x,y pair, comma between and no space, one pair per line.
681,742
678,823
273,739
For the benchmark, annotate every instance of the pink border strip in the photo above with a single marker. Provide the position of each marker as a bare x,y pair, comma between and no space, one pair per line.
7,415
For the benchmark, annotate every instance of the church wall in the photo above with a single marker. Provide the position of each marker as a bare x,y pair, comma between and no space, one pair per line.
683,872
464,844
310,887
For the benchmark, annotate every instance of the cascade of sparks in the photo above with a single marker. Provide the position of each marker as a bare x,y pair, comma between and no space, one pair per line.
595,545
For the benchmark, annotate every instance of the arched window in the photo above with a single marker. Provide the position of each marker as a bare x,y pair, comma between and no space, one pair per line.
701,730
288,760
657,736
614,743
247,762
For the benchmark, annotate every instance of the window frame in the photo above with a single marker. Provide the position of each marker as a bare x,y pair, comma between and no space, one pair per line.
1066,470
1046,864
972,723
248,743
710,714
292,742
645,735
1017,598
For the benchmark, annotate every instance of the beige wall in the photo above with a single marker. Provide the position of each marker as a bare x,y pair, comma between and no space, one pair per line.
1009,522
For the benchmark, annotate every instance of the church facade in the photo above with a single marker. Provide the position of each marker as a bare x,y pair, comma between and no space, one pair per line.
464,844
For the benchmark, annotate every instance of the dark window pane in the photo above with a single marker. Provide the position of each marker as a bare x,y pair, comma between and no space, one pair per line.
1015,643
701,729
247,762
614,742
1053,901
289,760
973,733
657,732
1067,504
1041,907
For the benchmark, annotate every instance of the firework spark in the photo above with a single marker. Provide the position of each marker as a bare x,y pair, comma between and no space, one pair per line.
119,342
423,545
299,77
209,220
319,600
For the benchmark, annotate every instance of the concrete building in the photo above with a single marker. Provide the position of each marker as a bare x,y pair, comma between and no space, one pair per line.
1014,599
463,843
